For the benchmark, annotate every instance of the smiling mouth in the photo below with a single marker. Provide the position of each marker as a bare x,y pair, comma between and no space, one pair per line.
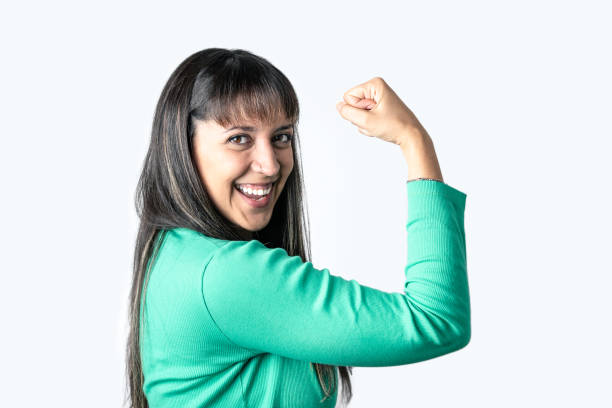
257,197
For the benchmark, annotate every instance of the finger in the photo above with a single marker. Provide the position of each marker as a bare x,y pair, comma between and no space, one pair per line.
351,99
357,93
354,115
366,104
365,90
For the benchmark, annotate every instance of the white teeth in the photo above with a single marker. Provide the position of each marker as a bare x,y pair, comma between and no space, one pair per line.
260,192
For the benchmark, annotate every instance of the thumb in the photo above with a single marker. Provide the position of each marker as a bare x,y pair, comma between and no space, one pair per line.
364,103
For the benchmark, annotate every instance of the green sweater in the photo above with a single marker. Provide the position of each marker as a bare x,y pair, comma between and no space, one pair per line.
237,324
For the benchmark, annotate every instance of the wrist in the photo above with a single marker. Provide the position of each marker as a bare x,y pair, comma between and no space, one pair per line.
420,155
411,138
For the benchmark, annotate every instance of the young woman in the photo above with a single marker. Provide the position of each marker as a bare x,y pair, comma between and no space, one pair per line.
226,308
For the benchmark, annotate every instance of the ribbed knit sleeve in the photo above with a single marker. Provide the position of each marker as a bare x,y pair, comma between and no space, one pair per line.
266,301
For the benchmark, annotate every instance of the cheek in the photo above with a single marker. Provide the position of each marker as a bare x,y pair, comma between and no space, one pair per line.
217,180
287,161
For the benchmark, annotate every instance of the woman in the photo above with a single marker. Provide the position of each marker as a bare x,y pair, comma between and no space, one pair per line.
226,308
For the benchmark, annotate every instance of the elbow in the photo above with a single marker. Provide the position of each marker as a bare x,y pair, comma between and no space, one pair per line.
464,339
457,330
463,335
454,340
462,327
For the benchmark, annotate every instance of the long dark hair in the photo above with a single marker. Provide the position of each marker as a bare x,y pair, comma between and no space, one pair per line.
226,86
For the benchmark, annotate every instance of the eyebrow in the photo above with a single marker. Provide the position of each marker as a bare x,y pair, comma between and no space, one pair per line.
252,129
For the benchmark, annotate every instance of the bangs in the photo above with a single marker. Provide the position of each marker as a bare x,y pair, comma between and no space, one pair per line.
243,91
259,107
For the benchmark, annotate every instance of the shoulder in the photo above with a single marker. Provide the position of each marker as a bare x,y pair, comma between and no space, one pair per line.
247,252
188,243
189,238
189,247
194,241
250,264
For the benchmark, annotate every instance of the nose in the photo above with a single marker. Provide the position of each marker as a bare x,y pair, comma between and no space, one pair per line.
264,159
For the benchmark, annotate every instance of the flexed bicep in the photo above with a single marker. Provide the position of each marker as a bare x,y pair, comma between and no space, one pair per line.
266,300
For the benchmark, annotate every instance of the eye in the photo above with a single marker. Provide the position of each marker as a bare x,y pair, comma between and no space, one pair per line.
289,137
287,141
237,136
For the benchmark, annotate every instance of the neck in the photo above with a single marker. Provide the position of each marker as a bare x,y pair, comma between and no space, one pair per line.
246,235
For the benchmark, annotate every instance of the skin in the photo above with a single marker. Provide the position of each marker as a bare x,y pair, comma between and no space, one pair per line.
258,156
263,155
378,111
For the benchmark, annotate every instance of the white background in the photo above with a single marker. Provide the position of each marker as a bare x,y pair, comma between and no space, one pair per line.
516,96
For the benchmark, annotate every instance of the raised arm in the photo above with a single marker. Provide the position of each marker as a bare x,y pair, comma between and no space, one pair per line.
264,300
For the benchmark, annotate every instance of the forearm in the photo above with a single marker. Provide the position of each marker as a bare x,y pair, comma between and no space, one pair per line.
420,154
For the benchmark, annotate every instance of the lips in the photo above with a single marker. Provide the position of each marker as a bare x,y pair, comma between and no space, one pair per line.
253,196
257,201
256,187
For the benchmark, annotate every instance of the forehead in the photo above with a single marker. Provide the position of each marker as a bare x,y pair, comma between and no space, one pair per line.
254,127
253,123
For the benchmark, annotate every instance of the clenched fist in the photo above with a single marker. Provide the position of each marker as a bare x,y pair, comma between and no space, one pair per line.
377,111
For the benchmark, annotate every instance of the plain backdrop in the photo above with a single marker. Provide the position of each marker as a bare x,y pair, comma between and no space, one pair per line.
515,95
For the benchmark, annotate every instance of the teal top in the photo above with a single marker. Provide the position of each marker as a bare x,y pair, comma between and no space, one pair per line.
237,324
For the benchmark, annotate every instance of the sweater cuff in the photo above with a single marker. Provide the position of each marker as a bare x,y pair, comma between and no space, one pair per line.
432,192
424,178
